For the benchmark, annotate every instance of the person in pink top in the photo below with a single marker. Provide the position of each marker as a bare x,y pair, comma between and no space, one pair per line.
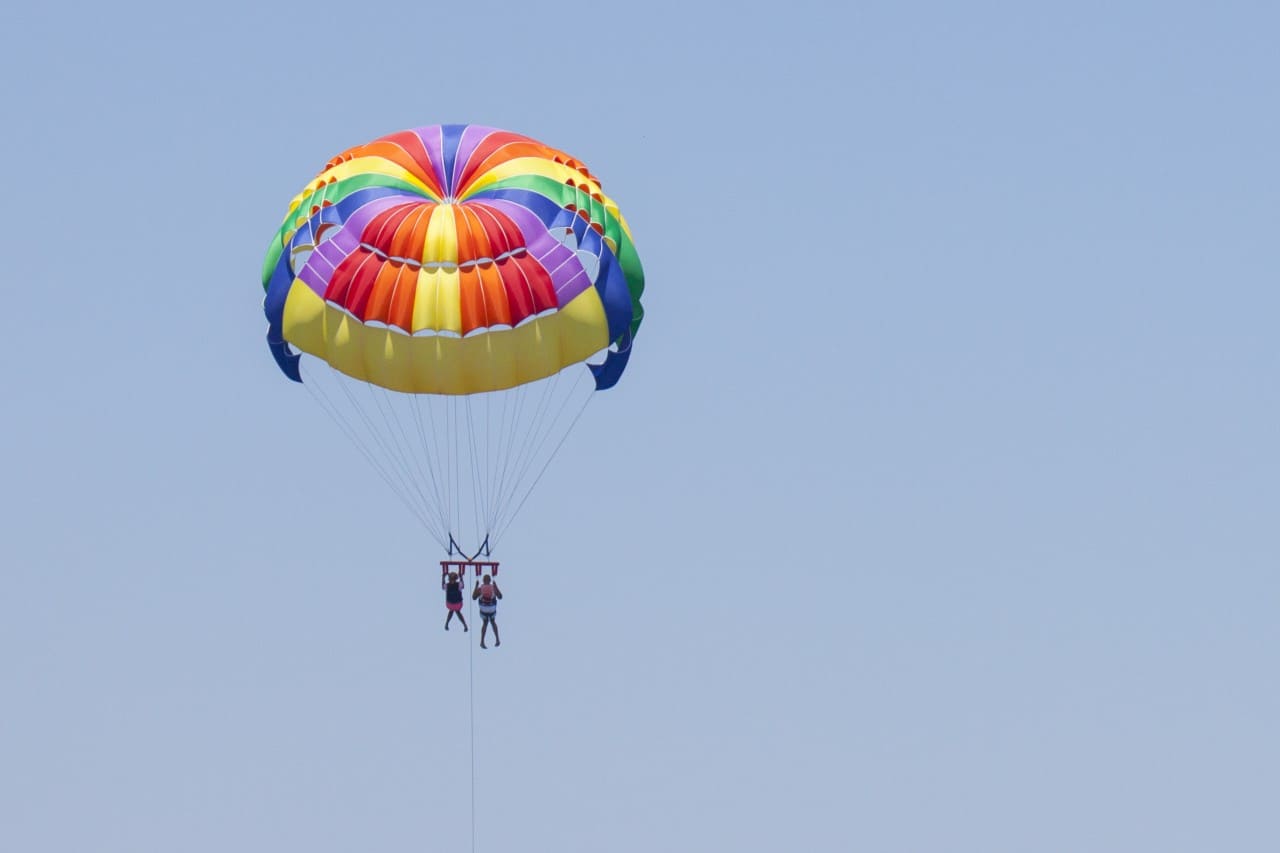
489,594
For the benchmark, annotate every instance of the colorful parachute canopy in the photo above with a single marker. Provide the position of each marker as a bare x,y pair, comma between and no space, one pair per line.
450,283
453,259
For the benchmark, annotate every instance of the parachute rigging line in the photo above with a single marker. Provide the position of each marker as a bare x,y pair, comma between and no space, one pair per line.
390,451
397,488
511,516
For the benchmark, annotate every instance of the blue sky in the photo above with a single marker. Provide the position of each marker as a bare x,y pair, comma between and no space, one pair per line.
936,510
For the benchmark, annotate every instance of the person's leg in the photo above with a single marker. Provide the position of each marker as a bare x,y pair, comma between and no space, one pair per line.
463,620
497,641
447,620
484,629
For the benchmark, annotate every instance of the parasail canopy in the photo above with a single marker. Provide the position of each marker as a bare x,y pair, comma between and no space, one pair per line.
450,283
453,259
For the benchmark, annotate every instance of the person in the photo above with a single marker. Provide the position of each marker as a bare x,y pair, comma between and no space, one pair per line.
489,594
453,601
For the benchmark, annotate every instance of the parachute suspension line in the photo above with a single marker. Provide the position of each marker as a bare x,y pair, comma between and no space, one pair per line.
537,437
414,442
460,460
422,449
391,450
504,430
379,439
442,464
492,464
446,415
426,446
488,462
481,469
398,440
405,446
531,443
455,518
322,399
584,380
476,481
506,522
510,432
535,421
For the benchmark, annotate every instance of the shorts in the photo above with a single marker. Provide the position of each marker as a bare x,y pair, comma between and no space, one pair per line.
489,611
455,606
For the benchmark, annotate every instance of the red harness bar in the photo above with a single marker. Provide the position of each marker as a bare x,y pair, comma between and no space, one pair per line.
461,566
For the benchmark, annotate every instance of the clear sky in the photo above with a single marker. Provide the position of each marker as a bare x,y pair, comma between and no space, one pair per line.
937,510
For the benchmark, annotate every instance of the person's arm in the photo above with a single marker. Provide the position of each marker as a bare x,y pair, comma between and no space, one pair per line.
475,593
496,592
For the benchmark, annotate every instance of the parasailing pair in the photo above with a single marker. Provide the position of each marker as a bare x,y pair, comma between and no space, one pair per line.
461,293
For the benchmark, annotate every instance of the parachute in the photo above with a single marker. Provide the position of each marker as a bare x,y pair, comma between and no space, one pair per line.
461,293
